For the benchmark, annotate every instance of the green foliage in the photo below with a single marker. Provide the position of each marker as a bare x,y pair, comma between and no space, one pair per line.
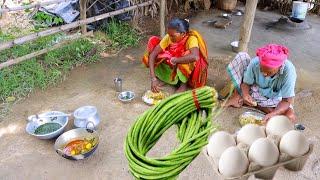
121,34
25,4
5,37
44,19
19,80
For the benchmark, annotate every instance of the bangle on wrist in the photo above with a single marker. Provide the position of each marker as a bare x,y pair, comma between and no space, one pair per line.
172,61
154,79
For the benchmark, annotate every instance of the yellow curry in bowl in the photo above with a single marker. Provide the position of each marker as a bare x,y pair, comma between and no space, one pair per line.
80,146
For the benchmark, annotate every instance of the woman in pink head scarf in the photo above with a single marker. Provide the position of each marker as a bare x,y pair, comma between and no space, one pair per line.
266,81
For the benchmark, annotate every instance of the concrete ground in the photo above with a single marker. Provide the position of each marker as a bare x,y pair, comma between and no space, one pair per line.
24,157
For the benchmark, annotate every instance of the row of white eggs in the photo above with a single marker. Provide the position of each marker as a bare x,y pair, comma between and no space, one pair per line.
233,162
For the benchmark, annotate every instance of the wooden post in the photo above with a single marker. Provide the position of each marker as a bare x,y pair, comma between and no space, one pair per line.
246,25
83,14
162,18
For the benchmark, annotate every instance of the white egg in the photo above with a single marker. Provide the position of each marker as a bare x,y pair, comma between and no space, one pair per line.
249,133
294,143
264,152
219,142
233,162
279,125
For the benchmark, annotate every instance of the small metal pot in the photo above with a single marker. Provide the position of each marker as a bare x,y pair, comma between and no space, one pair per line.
86,117
118,84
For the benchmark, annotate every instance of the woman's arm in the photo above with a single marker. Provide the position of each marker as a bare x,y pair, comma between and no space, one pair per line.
245,89
192,57
282,108
152,58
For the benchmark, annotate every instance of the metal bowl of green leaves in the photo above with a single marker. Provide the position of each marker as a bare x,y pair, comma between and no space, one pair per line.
126,96
47,125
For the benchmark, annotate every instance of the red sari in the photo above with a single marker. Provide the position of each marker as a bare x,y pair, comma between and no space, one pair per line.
196,72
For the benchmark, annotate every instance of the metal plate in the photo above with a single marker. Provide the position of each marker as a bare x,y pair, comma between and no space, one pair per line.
151,101
255,115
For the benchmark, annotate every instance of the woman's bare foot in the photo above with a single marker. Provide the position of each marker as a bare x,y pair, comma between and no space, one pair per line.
266,110
291,115
183,87
234,101
161,83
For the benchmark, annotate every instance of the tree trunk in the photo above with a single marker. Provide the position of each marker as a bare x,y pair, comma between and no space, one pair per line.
162,18
83,14
246,25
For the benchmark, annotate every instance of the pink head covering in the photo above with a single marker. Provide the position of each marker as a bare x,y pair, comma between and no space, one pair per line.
272,55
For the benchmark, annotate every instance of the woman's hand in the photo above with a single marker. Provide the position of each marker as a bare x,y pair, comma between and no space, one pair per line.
173,61
267,117
248,100
155,83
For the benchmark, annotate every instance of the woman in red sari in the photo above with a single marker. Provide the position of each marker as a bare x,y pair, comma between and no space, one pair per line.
179,59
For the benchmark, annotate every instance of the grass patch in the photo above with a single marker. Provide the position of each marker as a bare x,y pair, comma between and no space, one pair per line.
121,34
40,72
49,69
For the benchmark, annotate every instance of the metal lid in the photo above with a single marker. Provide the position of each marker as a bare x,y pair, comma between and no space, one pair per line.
85,112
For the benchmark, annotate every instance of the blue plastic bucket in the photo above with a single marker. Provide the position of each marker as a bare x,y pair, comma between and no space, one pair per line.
299,10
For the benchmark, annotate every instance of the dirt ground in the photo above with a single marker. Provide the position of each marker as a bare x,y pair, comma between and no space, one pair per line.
24,157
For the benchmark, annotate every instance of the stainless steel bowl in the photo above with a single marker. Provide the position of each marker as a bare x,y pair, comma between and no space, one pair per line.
75,134
256,118
235,46
126,96
48,117
238,13
226,16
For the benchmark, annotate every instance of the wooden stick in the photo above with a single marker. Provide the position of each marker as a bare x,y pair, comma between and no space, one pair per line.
162,18
2,6
246,25
83,14
38,4
43,51
65,27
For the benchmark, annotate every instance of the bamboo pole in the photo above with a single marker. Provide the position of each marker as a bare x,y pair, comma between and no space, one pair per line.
246,25
45,50
38,4
2,6
162,18
65,27
83,14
